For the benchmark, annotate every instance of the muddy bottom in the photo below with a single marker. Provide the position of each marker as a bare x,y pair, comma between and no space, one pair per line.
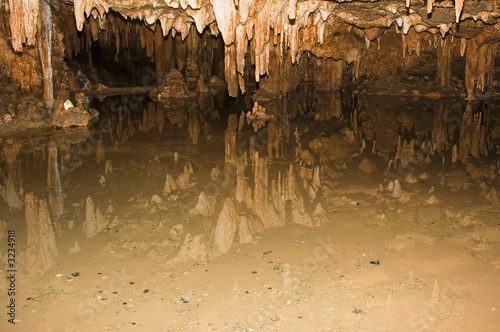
403,239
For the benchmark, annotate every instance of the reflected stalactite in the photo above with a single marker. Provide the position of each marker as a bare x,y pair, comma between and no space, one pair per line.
328,73
473,134
13,192
149,118
440,135
261,202
230,146
193,122
327,105
54,186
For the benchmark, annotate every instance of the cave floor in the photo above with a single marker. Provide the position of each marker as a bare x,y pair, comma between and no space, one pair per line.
379,264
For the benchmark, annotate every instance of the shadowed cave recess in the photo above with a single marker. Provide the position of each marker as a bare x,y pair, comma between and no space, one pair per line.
249,165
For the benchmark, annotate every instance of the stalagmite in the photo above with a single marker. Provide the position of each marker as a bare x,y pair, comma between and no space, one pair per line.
299,214
226,226
94,220
244,233
170,185
184,179
41,253
405,152
396,190
157,204
319,215
54,187
108,167
204,207
193,250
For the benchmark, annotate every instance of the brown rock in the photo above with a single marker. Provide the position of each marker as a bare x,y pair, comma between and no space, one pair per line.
367,166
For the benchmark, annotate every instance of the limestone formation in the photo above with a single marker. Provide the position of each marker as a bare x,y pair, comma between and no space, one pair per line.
157,204
367,166
244,234
205,206
70,116
194,250
172,89
405,152
258,117
170,185
41,252
225,229
319,215
95,221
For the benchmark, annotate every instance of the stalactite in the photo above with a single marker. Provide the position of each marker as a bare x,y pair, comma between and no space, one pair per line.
430,5
411,43
225,13
180,53
444,59
45,49
230,69
459,5
479,64
23,22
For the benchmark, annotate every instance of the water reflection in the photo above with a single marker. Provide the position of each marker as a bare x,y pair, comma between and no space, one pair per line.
273,173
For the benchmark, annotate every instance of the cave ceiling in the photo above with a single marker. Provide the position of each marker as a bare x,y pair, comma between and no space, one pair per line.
340,30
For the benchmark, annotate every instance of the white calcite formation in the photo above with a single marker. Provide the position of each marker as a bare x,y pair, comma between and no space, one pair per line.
274,33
